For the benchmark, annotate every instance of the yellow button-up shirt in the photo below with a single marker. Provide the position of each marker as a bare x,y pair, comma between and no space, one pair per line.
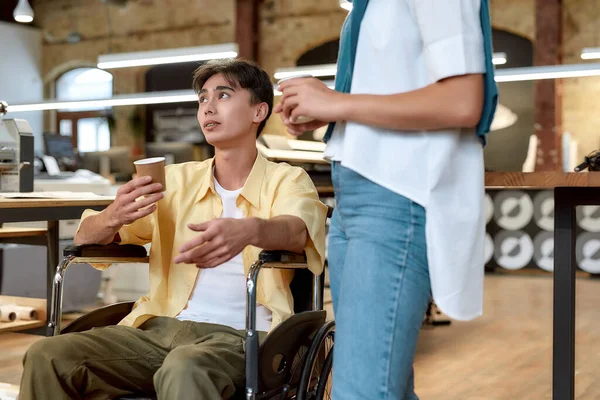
271,190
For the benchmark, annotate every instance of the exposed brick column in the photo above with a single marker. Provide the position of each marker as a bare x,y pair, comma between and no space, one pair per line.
548,93
246,28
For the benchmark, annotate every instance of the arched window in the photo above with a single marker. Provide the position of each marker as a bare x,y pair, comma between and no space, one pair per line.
89,129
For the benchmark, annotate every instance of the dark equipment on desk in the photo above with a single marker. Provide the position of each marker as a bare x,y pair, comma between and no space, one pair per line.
591,162
61,148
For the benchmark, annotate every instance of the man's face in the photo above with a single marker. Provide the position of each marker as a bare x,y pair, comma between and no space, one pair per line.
225,113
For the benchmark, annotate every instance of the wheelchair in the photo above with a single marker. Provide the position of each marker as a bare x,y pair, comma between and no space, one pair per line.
293,362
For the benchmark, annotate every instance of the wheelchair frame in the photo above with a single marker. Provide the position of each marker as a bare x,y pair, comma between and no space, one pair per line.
96,254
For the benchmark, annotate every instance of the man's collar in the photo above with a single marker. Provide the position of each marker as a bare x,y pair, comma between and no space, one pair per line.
207,180
252,188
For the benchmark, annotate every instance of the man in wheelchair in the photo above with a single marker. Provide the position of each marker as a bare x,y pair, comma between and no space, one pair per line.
185,340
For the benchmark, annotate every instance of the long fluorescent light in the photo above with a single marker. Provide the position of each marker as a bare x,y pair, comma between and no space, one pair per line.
175,96
590,53
163,97
547,72
181,96
502,75
314,70
167,56
331,69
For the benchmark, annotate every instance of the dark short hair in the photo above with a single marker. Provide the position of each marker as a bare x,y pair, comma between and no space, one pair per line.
239,73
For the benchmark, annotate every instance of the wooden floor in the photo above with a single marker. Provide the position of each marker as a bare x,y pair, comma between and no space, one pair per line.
12,348
504,355
507,353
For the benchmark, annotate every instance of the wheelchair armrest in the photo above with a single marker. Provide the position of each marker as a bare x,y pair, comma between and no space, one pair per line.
112,250
283,257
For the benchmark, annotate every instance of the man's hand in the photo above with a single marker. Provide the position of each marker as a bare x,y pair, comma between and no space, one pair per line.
129,205
311,98
219,241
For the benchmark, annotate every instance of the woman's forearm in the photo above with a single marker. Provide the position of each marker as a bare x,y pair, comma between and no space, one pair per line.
452,103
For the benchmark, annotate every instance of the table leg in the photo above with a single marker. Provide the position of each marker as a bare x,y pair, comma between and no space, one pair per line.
52,256
565,263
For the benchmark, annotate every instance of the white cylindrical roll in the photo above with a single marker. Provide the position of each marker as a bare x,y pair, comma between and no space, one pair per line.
26,313
7,314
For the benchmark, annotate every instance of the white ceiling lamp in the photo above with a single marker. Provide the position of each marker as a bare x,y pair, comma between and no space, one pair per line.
547,72
167,56
346,5
590,53
23,12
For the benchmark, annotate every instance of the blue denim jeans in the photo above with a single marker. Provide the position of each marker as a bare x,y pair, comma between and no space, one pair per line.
380,288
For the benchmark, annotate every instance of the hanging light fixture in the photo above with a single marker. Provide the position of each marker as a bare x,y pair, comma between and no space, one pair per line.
23,12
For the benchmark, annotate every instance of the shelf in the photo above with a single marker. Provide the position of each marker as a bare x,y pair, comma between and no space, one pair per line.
13,232
38,304
20,325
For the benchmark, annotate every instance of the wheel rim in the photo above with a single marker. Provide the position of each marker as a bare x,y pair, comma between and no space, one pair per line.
320,378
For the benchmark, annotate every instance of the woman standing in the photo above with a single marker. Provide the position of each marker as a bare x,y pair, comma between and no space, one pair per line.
414,98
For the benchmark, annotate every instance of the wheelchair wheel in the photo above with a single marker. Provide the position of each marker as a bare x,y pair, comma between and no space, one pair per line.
324,386
315,380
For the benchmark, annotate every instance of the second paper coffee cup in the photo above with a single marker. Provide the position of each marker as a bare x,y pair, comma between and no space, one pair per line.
301,119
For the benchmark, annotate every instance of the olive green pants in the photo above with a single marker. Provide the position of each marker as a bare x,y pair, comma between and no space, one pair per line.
174,359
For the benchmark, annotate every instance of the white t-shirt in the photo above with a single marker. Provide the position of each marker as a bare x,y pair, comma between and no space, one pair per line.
406,45
219,296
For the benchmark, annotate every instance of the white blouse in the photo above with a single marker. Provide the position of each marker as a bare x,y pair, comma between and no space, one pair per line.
405,45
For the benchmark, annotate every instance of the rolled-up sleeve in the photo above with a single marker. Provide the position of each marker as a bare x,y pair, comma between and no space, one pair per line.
138,232
452,37
297,196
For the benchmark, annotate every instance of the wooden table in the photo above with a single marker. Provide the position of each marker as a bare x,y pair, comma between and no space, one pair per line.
51,210
570,190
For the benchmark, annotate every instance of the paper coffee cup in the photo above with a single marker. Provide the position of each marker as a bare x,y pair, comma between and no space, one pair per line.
153,167
301,119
